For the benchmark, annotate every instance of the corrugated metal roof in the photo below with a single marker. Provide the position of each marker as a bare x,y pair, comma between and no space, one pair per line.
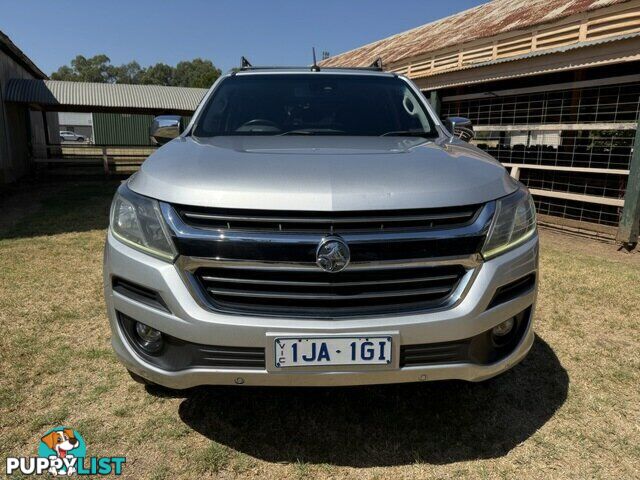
103,96
483,21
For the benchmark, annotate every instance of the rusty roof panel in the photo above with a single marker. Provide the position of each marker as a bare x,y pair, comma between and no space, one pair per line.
483,21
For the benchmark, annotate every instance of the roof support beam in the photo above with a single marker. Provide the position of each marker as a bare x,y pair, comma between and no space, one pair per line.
435,99
554,127
598,82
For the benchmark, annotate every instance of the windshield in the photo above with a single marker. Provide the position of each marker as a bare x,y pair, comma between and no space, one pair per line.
314,104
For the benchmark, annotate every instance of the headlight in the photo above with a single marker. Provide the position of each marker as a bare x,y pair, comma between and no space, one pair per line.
137,221
514,222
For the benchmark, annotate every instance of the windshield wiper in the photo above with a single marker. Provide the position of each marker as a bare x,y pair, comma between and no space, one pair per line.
313,131
407,133
298,132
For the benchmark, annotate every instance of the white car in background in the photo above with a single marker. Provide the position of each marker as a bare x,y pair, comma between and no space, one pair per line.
67,136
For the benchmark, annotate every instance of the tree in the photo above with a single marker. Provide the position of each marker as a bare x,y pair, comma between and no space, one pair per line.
158,74
127,73
193,73
197,73
94,69
66,73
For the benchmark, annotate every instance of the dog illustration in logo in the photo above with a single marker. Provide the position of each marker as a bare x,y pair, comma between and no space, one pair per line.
61,442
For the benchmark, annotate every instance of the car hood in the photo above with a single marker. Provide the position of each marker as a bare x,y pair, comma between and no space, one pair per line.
321,173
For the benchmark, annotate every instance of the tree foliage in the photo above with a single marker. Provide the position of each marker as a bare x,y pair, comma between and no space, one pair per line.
198,72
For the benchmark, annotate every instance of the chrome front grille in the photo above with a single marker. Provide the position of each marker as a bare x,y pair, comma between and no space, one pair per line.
264,263
278,221
318,293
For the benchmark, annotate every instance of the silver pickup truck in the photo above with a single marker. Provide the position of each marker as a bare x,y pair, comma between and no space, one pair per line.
319,227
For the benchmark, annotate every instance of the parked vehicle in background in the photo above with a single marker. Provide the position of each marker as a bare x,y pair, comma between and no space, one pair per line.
317,228
67,136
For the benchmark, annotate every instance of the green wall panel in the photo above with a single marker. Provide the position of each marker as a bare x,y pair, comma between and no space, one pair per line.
121,129
124,129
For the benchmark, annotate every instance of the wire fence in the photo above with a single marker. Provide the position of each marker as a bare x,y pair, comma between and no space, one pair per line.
617,103
582,212
582,148
572,147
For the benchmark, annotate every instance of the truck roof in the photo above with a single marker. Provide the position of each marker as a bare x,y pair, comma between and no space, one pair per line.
315,70
375,68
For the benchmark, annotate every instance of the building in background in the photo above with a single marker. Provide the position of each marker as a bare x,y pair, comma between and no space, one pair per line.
78,123
34,110
113,129
22,131
553,90
124,128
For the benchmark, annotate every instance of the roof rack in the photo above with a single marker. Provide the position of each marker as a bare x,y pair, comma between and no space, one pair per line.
377,64
245,65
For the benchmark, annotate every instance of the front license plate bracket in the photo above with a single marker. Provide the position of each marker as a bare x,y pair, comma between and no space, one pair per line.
318,351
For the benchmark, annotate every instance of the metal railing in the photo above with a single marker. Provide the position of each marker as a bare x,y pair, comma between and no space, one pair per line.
110,158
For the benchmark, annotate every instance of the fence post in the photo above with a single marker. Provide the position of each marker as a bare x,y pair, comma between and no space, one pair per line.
630,219
105,160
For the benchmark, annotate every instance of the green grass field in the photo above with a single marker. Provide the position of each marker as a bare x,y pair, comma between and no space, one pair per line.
571,409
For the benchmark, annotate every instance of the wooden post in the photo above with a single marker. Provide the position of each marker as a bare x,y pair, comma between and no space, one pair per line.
47,137
630,219
105,160
435,101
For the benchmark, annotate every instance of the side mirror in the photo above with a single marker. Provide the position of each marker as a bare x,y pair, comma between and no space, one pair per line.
460,127
164,128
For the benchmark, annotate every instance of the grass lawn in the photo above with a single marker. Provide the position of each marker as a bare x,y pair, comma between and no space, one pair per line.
570,409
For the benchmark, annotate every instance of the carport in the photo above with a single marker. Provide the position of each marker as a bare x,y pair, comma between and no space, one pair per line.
53,95
58,96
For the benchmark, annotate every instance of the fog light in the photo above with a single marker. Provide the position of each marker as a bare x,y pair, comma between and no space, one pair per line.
504,328
149,338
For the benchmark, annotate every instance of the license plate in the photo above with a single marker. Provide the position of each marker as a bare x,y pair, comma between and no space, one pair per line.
316,351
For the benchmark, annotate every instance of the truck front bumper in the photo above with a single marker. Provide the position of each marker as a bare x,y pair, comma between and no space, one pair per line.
189,323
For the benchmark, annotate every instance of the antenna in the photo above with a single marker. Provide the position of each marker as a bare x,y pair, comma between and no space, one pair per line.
244,63
314,67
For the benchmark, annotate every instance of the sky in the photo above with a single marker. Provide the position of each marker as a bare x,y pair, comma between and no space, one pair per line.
268,32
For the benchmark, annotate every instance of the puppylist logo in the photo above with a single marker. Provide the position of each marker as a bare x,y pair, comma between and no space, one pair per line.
62,451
